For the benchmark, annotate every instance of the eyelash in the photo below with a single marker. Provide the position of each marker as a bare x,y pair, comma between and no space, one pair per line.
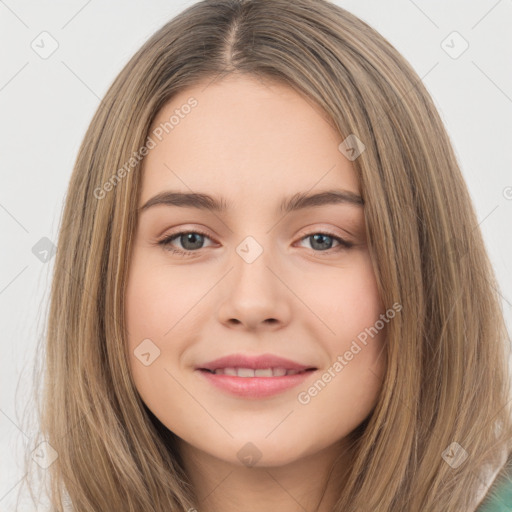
166,242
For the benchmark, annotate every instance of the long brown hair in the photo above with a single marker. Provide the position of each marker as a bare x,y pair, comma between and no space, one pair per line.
447,379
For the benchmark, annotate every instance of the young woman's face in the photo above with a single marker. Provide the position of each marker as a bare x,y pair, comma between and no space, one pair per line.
257,280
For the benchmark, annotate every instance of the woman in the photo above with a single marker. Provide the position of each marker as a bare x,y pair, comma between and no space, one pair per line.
223,375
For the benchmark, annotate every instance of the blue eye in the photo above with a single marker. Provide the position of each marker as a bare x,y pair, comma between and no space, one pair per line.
320,239
192,241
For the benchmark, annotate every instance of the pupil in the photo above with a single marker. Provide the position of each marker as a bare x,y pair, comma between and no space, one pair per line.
320,237
191,237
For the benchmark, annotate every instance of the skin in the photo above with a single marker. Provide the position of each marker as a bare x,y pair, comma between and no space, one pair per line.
254,143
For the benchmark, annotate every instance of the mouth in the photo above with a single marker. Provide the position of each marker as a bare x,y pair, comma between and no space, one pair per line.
255,384
254,376
258,372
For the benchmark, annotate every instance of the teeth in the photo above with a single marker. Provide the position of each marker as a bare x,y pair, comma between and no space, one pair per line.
263,372
260,372
245,372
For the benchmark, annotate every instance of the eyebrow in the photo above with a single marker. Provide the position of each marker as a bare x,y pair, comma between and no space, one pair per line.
296,202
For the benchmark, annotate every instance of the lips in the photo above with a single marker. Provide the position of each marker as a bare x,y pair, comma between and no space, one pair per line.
254,377
260,372
265,365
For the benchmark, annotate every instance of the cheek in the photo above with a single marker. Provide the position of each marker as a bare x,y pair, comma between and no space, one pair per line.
347,387
153,311
162,317
157,298
347,301
150,314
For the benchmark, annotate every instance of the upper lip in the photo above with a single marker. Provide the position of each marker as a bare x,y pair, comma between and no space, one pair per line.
254,362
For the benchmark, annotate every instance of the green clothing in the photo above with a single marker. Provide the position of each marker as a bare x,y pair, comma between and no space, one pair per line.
499,496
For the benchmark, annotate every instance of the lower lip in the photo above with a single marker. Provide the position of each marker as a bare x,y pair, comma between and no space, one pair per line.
255,387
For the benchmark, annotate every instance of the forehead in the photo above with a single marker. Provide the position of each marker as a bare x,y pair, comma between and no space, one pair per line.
246,137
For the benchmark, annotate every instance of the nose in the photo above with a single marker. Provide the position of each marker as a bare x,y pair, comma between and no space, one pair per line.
254,296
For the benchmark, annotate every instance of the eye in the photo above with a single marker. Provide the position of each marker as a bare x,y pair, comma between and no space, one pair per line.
322,241
191,241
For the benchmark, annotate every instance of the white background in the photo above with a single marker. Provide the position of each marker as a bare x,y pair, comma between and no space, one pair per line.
47,104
